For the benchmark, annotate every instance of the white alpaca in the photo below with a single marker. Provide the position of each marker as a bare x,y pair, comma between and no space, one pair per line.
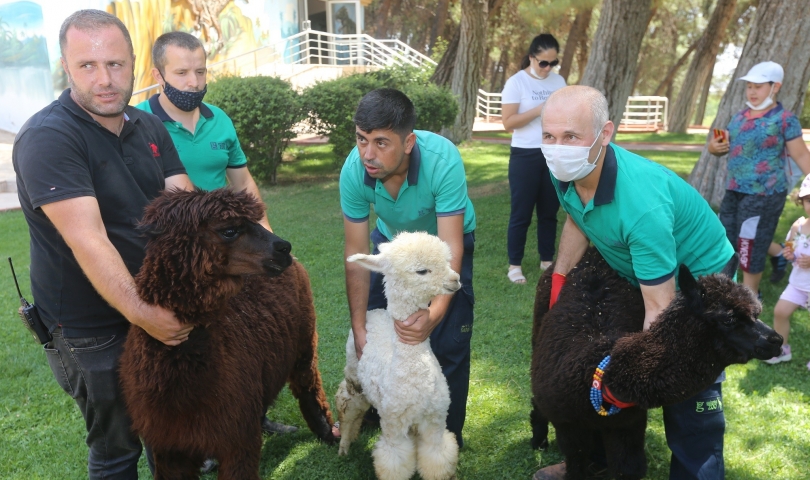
403,382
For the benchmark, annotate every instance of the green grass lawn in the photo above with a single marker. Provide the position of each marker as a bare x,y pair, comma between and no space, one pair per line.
767,410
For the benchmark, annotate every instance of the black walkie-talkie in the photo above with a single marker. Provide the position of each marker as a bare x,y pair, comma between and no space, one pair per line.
29,314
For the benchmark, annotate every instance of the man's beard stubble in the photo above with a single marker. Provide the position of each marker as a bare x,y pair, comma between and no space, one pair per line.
86,99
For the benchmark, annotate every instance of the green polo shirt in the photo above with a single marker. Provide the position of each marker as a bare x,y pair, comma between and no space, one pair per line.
436,186
207,152
646,221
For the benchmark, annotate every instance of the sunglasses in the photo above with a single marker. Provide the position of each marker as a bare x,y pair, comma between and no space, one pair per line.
545,64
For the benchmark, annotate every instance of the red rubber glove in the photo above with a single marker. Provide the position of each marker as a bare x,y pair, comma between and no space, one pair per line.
557,282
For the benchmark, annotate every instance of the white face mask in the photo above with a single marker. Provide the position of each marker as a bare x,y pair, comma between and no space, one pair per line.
534,73
765,103
569,163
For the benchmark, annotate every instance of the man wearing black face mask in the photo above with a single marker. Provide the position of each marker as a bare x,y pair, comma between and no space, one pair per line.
203,134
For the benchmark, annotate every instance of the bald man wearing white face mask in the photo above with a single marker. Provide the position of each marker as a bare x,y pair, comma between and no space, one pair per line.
645,221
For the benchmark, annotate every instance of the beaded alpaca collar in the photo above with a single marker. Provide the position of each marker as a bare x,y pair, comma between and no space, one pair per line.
597,399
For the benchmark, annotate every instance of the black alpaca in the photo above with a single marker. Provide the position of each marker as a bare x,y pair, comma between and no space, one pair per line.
711,324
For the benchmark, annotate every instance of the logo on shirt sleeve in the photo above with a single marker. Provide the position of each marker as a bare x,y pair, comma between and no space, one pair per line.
155,151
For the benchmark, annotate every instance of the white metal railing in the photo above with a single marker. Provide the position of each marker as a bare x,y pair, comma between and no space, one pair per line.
640,112
489,105
645,113
312,47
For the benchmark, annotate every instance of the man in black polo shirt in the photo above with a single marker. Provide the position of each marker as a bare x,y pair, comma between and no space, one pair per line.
86,166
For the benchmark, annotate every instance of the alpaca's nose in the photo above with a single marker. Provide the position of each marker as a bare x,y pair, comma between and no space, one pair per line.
282,246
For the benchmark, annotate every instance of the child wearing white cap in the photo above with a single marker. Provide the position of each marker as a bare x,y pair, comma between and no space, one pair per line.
797,292
758,141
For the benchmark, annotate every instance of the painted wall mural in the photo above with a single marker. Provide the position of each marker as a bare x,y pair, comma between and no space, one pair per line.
31,75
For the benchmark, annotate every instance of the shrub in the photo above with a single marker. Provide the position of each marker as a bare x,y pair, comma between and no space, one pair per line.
436,107
331,105
263,110
400,76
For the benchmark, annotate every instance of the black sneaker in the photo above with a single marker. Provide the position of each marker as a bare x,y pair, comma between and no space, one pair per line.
779,267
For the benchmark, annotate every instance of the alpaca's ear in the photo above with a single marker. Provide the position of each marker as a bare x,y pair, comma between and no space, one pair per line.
688,284
375,263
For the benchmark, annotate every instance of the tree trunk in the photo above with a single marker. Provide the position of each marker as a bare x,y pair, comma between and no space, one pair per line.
663,87
467,69
438,24
444,69
443,73
582,58
701,66
578,32
614,56
778,33
704,97
382,20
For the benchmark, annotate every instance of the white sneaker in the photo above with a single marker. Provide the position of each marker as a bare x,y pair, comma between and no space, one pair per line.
785,356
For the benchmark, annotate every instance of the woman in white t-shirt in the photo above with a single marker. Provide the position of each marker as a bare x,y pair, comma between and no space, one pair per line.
522,99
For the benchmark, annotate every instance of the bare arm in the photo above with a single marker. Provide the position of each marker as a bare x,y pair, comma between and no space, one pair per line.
656,299
79,222
241,179
512,120
357,280
797,150
418,327
573,244
179,182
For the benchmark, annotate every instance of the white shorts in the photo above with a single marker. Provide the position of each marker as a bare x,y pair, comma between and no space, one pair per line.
794,295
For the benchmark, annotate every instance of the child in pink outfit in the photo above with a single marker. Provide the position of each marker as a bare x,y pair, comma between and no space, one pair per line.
797,293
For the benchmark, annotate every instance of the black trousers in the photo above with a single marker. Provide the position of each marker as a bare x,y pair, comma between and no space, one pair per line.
532,190
450,340
87,370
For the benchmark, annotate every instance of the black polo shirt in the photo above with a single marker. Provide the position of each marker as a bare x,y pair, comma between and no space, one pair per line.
62,153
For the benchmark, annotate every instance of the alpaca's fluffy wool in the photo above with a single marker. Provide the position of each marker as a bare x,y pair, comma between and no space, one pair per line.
253,334
711,323
404,382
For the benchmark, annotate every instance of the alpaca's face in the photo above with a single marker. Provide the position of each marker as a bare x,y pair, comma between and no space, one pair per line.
734,310
419,264
415,263
246,248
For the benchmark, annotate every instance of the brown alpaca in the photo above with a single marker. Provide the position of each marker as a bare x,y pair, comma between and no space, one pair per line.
254,331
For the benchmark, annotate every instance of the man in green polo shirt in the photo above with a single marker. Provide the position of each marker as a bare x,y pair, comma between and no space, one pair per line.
203,134
416,182
645,221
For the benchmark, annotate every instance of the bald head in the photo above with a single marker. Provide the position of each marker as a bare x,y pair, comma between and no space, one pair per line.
579,106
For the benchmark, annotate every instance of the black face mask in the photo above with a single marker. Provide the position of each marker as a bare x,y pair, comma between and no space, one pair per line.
185,101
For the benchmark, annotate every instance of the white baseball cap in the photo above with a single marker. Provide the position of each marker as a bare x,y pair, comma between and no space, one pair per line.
804,190
765,72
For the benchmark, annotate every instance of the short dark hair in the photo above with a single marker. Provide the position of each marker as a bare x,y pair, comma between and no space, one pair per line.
178,39
540,43
91,19
386,108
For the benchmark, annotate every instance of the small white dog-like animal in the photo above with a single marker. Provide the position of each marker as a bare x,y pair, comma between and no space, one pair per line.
403,382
